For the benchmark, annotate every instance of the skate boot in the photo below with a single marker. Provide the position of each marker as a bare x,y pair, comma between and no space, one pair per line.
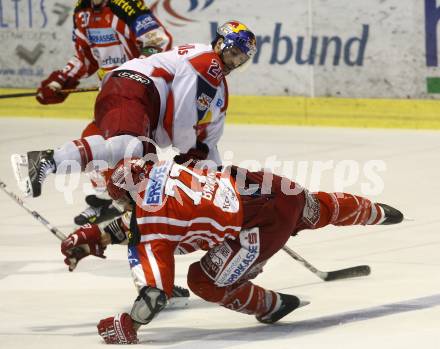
99,210
32,169
285,305
391,215
179,298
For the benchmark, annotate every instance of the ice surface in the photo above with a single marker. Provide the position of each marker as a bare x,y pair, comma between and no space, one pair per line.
42,305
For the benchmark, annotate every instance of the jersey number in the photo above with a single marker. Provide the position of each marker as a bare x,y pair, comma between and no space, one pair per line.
84,17
194,195
215,70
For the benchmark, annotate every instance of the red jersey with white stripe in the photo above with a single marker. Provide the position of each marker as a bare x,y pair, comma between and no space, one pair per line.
182,210
112,35
193,95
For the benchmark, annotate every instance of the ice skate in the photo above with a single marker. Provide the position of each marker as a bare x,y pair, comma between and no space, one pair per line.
285,305
31,170
99,210
391,215
179,298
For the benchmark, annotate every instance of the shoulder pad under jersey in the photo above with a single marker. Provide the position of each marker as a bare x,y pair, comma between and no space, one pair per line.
210,66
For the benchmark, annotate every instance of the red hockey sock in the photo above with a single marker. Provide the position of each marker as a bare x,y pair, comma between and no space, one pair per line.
347,209
249,299
245,298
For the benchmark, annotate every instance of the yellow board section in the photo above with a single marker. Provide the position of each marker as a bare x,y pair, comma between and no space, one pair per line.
76,106
303,111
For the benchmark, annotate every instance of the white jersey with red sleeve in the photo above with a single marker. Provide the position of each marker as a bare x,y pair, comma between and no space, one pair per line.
182,210
193,94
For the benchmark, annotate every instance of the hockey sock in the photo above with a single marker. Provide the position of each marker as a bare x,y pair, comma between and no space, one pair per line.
249,299
96,148
347,209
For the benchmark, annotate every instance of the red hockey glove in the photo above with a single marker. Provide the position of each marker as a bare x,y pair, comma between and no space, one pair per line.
118,329
83,242
49,90
200,152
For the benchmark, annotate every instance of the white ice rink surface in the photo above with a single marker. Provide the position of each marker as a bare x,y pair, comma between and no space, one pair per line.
42,305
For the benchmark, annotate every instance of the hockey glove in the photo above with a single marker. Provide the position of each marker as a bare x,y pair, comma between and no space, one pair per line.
83,242
148,51
200,152
118,329
49,90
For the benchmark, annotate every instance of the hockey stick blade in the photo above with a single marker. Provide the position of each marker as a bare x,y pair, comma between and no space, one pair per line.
352,272
360,270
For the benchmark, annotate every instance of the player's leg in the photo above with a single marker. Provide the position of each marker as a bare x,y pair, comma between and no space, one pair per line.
32,169
342,209
124,110
222,276
99,204
111,119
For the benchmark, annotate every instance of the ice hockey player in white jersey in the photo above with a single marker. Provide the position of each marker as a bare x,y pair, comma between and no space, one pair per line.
177,98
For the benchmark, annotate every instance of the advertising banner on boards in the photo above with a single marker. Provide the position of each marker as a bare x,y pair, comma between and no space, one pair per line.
344,48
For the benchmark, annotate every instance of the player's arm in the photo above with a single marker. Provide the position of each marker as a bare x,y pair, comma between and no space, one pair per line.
193,91
145,29
154,275
81,65
210,132
91,239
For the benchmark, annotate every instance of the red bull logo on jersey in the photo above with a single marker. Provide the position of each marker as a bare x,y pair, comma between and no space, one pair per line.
203,102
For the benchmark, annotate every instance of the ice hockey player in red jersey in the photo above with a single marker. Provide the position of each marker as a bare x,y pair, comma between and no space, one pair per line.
106,34
240,218
177,98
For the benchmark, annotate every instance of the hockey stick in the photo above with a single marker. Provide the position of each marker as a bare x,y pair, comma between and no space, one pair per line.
359,270
54,230
31,94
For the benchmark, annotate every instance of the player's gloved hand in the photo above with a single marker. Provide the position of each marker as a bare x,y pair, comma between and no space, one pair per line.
118,329
200,152
81,243
147,51
49,90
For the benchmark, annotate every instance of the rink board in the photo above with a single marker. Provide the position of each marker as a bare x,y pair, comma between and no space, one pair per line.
305,111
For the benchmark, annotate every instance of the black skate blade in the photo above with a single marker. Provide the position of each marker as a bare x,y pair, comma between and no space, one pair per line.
291,303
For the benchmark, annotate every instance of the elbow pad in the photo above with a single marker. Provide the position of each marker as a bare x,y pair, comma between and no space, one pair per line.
148,304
